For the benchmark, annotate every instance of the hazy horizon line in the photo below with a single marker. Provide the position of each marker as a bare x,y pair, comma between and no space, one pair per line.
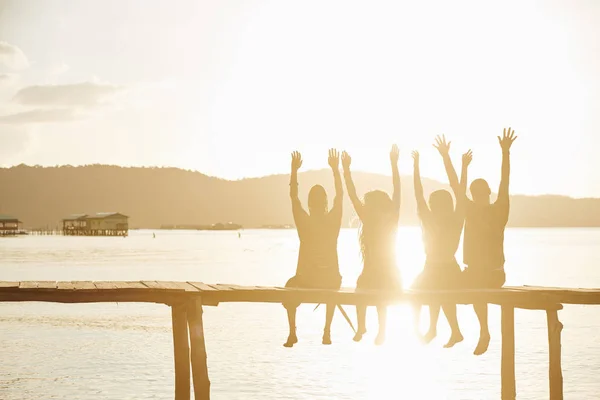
262,176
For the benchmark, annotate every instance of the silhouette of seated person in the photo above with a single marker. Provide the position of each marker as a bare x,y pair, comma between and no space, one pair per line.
483,244
442,226
318,231
378,215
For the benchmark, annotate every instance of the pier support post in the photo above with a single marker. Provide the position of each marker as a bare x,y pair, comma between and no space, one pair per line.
555,371
198,347
181,351
509,390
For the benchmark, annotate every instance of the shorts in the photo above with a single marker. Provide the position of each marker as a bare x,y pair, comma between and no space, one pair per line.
483,278
439,277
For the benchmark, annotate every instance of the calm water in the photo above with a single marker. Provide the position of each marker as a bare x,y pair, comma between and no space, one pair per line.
124,351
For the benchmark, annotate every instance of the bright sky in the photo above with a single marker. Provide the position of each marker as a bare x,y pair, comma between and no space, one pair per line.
230,88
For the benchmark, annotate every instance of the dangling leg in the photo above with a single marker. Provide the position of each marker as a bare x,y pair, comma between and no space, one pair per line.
361,316
328,319
382,317
484,332
456,336
417,318
434,314
291,312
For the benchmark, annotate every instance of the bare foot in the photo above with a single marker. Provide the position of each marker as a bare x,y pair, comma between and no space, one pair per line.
482,346
380,339
291,341
429,336
359,334
454,338
326,337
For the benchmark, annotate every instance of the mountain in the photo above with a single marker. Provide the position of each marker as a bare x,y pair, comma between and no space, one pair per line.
42,196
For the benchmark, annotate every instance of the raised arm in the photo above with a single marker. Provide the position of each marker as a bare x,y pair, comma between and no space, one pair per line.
297,210
506,141
461,196
443,148
334,163
358,205
394,155
419,196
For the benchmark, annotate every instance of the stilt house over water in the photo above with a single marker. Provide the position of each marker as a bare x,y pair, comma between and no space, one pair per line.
9,225
99,224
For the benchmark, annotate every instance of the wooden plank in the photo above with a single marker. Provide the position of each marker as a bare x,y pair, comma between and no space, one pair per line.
102,285
183,286
153,285
38,285
508,388
171,286
202,286
181,350
66,285
198,351
565,295
9,285
555,370
129,285
220,286
83,285
239,287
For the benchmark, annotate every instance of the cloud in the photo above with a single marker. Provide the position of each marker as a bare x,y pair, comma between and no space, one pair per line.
12,56
59,69
8,79
84,94
14,141
40,116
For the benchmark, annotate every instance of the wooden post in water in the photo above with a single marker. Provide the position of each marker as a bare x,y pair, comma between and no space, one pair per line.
555,371
182,351
509,390
199,365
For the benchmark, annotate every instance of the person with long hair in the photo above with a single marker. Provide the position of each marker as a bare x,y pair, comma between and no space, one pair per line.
318,231
378,214
442,226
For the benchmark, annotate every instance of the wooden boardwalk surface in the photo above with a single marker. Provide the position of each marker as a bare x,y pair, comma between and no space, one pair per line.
165,292
187,299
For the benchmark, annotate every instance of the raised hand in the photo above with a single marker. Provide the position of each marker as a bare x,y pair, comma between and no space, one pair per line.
507,139
441,145
467,158
415,156
394,154
296,161
346,160
334,159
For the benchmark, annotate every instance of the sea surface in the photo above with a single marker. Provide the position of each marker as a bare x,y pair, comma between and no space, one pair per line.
124,351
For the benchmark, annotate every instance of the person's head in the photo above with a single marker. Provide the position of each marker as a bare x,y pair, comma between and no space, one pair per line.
377,201
480,191
317,200
441,203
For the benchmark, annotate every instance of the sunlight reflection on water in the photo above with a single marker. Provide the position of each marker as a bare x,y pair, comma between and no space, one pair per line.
124,351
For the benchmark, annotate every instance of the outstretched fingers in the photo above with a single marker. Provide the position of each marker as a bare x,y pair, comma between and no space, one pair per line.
467,157
441,144
296,160
508,137
346,159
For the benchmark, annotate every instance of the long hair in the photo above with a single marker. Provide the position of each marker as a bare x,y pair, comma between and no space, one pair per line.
441,205
378,224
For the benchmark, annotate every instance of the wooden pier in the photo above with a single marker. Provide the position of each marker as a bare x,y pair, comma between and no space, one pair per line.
187,300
